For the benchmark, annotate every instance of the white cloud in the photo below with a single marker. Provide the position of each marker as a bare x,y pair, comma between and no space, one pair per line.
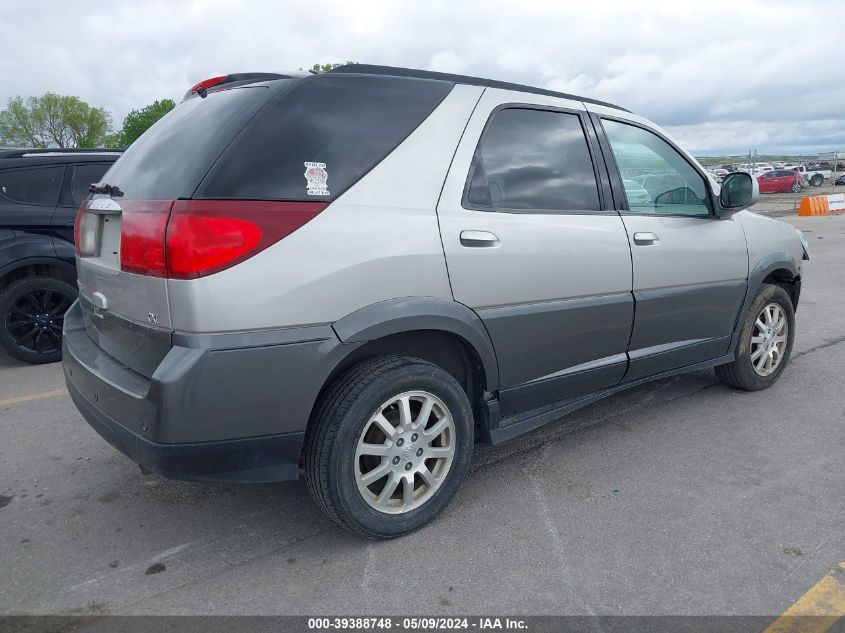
720,75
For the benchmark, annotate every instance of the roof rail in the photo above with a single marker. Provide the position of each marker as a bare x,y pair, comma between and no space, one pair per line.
56,151
392,71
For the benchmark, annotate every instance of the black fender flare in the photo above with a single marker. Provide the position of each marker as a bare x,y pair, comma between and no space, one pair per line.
408,314
768,264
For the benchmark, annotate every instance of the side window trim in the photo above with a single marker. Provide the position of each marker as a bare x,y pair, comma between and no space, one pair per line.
606,171
616,174
605,205
65,192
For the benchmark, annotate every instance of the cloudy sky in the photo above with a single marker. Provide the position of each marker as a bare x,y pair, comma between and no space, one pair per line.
723,77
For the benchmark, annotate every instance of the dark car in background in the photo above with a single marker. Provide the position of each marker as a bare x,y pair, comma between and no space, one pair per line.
40,193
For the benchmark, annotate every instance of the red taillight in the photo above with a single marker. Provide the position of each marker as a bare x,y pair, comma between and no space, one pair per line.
208,83
186,239
207,236
142,232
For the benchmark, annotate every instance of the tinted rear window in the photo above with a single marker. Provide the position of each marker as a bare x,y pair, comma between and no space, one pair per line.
170,158
319,138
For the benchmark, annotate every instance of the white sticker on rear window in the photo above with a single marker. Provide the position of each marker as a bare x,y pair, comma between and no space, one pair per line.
318,178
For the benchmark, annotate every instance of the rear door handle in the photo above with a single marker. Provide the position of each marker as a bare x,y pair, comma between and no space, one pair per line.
479,239
646,239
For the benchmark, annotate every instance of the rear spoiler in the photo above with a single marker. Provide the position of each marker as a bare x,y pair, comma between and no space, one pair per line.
236,79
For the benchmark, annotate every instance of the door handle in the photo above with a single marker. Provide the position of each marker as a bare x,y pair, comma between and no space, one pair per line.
646,239
479,239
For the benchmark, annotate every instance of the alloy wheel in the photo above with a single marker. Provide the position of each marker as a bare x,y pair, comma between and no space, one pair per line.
769,339
405,452
35,319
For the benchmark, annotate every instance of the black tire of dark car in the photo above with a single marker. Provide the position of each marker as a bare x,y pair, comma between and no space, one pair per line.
816,180
341,416
31,318
740,374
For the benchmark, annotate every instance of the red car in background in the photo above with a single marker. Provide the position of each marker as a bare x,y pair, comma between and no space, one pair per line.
780,180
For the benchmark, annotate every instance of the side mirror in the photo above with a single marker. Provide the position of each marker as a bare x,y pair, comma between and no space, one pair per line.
739,191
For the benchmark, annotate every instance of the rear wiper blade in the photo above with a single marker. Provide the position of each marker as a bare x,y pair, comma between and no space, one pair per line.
102,187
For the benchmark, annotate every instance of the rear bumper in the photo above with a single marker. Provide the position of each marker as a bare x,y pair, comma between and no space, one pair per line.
217,408
248,460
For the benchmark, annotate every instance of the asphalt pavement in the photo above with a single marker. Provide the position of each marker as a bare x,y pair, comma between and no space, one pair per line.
679,497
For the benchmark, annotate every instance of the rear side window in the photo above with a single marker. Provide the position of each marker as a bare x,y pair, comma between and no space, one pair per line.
169,160
82,177
321,137
34,185
533,160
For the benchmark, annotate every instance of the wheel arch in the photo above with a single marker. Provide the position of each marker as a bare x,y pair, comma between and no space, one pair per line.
37,266
777,268
405,319
446,333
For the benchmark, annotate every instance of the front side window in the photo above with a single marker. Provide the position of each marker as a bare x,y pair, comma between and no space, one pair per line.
35,185
533,160
656,178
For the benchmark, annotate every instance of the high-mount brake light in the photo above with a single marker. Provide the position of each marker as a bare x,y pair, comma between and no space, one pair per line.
208,83
187,239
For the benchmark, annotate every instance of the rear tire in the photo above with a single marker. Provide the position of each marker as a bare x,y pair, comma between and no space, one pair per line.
346,449
32,314
816,181
796,188
761,338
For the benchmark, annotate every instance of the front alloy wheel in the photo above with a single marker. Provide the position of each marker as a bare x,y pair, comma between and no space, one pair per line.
768,340
765,341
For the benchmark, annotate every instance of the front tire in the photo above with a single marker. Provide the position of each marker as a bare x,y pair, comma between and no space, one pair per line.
816,181
388,446
765,342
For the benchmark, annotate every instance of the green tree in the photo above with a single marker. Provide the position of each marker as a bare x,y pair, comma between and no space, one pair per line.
322,68
53,120
138,121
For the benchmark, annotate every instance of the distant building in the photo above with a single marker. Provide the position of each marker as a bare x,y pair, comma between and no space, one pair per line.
832,156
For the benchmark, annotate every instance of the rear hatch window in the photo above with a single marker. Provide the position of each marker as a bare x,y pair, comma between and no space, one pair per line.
319,138
170,159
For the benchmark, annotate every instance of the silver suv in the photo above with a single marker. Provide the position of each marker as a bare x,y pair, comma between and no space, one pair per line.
358,275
